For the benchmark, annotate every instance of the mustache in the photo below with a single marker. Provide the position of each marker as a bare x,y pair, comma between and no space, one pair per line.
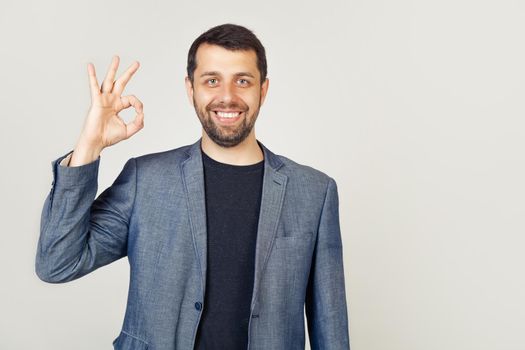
234,105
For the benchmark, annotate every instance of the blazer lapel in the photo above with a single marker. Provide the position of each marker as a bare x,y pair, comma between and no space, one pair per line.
273,189
193,177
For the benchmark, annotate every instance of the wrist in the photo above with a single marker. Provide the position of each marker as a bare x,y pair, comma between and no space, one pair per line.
84,154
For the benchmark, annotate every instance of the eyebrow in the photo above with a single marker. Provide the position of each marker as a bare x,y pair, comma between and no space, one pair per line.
239,74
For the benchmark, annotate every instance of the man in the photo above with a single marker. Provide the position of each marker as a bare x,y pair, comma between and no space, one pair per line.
227,242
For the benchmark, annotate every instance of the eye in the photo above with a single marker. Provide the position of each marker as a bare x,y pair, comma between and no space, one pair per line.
212,81
244,81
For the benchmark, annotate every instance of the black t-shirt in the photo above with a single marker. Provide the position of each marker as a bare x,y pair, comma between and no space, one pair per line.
233,198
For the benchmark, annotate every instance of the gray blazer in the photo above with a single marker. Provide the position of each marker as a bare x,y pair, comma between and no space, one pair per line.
154,213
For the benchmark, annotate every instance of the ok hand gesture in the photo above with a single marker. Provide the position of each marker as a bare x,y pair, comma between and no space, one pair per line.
103,126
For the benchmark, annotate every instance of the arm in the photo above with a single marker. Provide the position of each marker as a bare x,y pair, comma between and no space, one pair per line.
325,304
77,233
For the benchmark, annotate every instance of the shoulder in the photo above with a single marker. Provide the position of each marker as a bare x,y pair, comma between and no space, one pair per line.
167,159
175,153
304,176
301,177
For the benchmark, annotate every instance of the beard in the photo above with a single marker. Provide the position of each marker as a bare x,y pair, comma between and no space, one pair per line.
226,135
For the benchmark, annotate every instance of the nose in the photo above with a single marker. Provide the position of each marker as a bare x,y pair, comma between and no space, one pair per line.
226,93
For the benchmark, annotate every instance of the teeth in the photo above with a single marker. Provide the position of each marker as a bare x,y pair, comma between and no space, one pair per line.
227,115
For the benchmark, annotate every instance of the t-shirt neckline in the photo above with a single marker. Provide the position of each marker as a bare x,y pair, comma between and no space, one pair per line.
208,161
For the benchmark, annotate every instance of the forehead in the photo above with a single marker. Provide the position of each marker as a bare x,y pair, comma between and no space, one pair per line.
216,58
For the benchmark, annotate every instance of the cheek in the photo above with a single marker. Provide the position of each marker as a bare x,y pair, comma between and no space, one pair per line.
202,99
251,99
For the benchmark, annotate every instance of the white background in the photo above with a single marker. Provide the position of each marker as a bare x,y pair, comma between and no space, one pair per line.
416,108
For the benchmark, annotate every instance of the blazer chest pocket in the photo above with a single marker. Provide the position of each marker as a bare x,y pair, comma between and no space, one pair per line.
126,341
295,240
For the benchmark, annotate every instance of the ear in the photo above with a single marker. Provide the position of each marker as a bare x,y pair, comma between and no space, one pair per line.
264,90
189,89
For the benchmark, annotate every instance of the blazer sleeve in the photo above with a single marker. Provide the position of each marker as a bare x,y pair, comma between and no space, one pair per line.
79,234
325,304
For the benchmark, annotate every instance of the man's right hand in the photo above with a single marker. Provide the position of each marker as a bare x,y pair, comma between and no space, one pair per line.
103,126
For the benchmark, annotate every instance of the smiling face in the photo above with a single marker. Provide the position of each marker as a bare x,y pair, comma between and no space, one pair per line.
226,93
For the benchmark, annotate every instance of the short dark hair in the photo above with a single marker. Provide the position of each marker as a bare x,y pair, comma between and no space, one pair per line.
231,37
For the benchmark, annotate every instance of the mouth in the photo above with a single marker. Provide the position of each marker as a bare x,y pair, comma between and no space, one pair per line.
227,117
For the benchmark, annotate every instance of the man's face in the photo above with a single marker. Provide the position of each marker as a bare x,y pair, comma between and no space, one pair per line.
226,93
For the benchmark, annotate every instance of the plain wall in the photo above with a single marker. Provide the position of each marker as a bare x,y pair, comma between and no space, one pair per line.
416,108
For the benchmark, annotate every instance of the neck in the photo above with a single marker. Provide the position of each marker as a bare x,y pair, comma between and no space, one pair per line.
245,153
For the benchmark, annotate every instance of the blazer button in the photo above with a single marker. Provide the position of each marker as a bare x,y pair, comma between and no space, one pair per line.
198,305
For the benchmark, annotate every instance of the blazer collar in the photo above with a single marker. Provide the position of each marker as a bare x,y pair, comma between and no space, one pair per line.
270,159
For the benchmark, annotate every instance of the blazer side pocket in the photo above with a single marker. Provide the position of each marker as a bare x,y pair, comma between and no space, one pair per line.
295,240
126,341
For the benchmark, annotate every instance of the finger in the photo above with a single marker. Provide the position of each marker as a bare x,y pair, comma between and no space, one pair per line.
137,124
121,83
107,85
132,100
93,83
